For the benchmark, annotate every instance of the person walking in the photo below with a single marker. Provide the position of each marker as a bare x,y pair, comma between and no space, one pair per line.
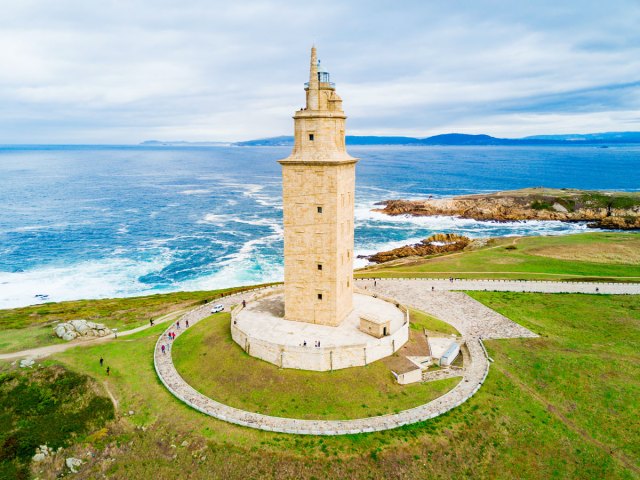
244,303
178,324
108,370
163,348
101,360
186,323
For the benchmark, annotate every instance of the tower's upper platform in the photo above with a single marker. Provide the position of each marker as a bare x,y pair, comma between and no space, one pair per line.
320,125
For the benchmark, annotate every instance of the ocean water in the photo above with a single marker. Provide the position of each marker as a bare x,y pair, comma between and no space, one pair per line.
95,221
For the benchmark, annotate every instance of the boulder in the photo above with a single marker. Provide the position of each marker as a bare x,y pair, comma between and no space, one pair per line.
27,362
42,452
69,335
559,208
60,330
75,328
73,464
78,323
83,329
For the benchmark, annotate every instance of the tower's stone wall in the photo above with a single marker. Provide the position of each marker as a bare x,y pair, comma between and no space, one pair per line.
318,181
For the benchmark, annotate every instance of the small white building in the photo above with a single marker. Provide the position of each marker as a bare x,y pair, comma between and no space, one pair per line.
450,355
444,350
405,371
375,326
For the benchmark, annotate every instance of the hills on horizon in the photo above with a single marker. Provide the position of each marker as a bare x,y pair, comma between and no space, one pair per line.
455,139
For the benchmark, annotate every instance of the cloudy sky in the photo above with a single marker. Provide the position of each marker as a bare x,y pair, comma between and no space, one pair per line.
127,71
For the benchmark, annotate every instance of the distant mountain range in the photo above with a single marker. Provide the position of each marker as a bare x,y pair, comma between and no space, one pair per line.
181,143
601,139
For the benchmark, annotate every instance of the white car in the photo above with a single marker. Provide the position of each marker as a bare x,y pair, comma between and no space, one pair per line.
217,308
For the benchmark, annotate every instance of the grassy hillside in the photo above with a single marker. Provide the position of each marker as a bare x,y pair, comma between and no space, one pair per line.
588,256
49,405
31,327
561,406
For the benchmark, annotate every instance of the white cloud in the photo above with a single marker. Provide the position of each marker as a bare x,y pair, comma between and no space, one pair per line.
122,72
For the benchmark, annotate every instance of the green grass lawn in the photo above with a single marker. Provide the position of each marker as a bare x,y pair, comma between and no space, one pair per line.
560,406
420,320
31,327
586,363
582,257
211,362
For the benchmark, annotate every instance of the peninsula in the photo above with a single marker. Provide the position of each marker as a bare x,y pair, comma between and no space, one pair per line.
602,209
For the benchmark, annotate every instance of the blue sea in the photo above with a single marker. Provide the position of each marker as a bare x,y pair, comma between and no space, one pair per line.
112,221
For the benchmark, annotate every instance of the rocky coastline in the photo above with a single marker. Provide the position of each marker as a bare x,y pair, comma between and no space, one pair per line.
607,210
436,244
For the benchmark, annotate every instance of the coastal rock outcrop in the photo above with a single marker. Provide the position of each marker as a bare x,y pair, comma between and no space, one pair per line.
610,210
80,328
433,245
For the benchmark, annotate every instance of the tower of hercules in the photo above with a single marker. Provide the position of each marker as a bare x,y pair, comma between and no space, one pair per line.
318,183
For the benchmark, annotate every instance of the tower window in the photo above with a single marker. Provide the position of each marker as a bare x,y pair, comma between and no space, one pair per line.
319,209
319,296
311,137
319,266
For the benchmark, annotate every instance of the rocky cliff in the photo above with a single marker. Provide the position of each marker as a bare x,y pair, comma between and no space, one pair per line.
612,210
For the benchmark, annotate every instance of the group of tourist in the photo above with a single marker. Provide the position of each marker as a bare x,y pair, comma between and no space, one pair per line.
172,335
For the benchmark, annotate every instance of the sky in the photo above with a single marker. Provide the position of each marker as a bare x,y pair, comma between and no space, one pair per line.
121,72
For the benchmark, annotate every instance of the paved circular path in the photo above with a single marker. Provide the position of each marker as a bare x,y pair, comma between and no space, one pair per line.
471,318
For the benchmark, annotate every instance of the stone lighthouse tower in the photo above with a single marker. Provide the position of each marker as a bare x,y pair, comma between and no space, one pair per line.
318,183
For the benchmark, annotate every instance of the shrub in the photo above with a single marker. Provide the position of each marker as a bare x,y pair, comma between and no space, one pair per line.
541,205
50,405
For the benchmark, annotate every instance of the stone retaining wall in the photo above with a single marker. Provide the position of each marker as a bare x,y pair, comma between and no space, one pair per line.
320,358
533,286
